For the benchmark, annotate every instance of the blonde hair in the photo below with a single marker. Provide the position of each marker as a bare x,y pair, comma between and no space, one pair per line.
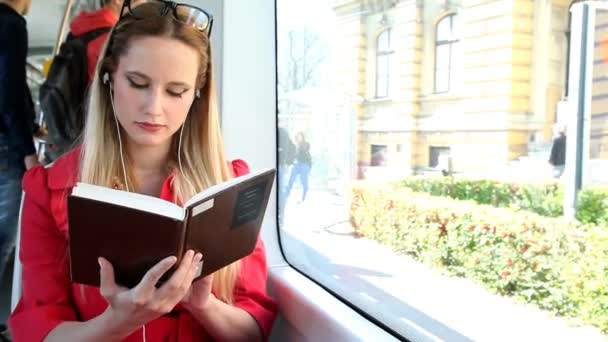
202,150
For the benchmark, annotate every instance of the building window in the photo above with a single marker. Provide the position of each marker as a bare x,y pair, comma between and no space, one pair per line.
378,155
438,156
446,42
383,62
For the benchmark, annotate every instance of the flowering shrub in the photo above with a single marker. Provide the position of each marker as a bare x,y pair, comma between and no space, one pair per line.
558,265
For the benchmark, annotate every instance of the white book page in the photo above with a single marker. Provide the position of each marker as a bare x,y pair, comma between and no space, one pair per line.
212,190
129,199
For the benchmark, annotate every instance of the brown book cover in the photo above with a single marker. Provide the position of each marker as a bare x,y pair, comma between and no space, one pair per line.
135,231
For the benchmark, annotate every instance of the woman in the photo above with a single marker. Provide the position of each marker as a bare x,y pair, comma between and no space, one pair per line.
152,128
301,167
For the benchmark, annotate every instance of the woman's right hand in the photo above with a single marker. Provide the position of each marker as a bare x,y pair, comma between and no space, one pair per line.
130,309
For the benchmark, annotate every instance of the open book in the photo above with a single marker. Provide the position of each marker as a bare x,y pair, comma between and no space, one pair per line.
135,231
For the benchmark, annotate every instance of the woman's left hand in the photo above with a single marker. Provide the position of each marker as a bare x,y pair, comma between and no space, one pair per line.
199,294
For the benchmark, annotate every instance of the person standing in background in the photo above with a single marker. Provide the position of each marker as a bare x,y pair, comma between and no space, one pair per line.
70,75
301,167
17,115
87,21
557,158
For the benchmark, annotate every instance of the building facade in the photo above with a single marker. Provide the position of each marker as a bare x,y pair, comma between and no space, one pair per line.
476,81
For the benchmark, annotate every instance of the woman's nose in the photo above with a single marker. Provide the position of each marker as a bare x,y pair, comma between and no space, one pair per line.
155,102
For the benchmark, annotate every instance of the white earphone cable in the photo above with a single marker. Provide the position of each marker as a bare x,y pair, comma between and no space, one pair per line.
122,159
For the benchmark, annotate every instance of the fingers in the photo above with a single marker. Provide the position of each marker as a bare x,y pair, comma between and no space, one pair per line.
195,269
107,284
180,281
162,300
155,273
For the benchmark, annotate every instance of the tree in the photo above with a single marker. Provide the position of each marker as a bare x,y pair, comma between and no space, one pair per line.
300,60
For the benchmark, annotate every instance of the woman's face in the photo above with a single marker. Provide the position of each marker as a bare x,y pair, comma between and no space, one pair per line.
154,86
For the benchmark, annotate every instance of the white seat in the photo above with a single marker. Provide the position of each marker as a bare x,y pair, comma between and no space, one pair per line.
16,288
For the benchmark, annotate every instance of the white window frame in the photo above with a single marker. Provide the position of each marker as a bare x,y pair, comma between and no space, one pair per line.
383,53
450,43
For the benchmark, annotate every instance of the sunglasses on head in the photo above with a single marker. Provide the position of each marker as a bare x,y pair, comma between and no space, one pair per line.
183,13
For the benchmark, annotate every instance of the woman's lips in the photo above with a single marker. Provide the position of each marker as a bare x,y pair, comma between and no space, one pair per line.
149,127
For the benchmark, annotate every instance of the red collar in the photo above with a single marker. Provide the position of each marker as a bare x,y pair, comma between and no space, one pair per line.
63,175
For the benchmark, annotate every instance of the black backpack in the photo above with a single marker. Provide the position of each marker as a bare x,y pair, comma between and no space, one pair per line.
63,93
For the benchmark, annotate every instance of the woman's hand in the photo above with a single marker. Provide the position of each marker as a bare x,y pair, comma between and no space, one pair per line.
131,309
222,321
199,295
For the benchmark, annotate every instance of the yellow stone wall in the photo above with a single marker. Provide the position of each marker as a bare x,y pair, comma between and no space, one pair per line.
598,148
556,47
466,155
390,121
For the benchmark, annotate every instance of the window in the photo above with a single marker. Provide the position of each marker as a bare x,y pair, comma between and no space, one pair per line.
378,155
383,63
463,224
446,41
438,156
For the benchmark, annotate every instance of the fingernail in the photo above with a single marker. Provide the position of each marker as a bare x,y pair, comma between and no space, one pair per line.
99,262
198,256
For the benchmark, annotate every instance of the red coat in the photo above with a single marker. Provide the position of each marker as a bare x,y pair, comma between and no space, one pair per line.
48,298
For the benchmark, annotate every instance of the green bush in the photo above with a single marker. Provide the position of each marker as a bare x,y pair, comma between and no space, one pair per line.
558,265
593,205
545,199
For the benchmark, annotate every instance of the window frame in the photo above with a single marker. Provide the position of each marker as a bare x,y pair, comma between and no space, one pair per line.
453,40
435,152
384,54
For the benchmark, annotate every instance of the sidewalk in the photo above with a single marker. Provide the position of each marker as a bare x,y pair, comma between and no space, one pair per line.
401,290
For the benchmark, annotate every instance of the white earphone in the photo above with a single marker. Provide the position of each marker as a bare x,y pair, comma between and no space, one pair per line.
106,79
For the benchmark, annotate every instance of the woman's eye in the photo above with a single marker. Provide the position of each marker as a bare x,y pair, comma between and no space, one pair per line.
137,85
176,93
